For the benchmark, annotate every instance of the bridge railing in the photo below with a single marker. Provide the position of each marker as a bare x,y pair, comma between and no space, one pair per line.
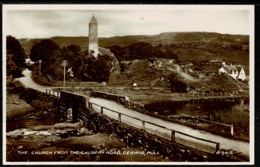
226,128
132,104
53,92
164,132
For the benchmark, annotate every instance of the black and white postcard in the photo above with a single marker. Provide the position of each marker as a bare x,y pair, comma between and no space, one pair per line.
128,84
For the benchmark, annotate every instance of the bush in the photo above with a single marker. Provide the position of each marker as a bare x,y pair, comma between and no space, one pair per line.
177,84
15,87
28,95
42,105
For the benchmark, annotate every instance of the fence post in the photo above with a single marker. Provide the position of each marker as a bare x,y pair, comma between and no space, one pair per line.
89,105
217,147
173,136
232,129
143,125
119,117
101,110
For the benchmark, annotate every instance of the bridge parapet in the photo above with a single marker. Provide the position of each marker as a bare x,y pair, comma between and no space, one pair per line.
74,101
137,132
115,97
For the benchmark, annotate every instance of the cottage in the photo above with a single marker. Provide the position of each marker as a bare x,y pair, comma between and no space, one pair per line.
233,71
242,75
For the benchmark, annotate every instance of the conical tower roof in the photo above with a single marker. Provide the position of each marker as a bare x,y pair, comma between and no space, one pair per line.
93,20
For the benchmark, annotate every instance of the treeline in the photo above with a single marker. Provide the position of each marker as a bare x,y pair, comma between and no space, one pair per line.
84,66
141,50
15,57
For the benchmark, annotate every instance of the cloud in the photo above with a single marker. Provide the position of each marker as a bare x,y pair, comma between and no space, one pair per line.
48,23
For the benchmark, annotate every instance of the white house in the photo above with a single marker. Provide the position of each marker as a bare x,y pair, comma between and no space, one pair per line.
233,71
242,75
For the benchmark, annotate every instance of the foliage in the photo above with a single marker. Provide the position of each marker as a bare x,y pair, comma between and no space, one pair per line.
177,83
189,46
141,50
94,69
84,66
238,116
50,54
73,55
15,57
44,50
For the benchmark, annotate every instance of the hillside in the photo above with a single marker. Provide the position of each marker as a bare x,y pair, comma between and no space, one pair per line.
189,46
159,72
181,47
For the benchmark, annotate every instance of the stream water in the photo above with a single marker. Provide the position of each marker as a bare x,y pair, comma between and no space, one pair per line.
201,108
33,119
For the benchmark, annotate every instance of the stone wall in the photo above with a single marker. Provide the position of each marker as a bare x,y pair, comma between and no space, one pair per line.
78,104
109,96
39,100
131,136
135,137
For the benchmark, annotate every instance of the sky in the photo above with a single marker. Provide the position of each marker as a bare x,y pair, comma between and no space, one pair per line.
44,21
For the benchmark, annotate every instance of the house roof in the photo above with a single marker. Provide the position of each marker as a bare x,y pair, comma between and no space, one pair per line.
93,20
104,51
229,68
239,68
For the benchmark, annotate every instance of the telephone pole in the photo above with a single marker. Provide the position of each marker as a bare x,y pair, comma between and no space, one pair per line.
64,64
40,61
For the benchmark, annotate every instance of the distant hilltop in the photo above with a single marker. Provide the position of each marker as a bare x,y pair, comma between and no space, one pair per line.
189,46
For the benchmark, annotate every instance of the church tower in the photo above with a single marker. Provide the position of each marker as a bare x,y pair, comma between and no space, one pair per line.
93,36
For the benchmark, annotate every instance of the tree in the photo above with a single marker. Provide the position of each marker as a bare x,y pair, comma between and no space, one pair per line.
142,50
93,69
75,58
177,84
15,57
71,53
12,68
44,50
50,54
117,51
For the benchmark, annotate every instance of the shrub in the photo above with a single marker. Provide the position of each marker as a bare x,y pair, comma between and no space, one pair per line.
177,84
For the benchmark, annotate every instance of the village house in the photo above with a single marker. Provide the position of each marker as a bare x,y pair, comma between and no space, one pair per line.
236,72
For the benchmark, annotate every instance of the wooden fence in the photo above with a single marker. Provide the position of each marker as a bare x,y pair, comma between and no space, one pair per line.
125,100
164,132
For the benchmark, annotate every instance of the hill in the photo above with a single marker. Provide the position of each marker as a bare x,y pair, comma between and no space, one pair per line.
182,47
189,46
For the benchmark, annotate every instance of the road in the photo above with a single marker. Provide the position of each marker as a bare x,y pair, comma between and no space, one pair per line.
27,81
225,143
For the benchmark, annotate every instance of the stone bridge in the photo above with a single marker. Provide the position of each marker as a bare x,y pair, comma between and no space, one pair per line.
75,107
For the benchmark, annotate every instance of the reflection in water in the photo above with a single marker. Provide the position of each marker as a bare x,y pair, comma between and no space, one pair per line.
228,111
200,108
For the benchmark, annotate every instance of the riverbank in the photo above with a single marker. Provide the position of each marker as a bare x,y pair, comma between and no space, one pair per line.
71,142
15,107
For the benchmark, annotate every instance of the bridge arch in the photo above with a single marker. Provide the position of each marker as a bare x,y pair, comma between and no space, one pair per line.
70,106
